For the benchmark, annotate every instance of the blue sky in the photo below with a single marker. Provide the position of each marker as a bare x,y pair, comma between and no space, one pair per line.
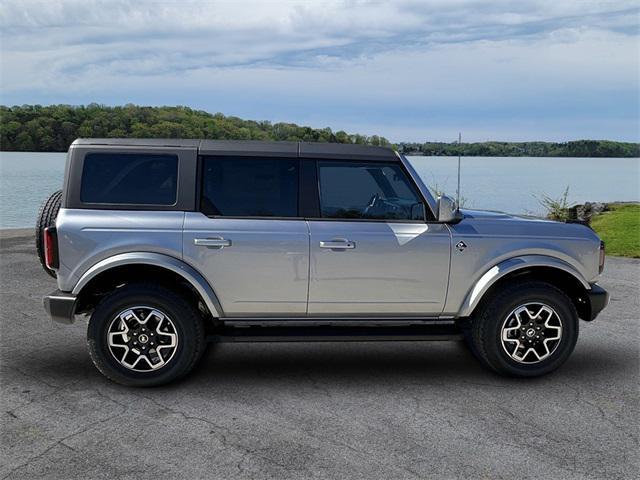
408,70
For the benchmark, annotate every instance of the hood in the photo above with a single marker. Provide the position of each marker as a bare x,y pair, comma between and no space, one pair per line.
499,223
495,215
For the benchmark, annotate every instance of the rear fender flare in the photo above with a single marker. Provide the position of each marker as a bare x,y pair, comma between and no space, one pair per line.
190,274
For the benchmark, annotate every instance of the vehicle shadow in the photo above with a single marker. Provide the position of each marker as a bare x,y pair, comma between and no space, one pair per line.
382,363
250,366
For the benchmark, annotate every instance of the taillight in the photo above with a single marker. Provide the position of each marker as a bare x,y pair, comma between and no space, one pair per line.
601,261
51,248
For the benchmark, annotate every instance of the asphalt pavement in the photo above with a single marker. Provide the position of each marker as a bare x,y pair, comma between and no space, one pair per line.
334,411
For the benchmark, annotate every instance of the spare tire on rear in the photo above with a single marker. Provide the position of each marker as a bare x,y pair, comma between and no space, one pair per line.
47,218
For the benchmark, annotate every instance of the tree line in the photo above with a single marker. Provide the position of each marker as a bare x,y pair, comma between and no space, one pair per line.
52,128
578,148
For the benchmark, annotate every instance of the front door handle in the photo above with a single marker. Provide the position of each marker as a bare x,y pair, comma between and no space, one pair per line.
338,244
217,242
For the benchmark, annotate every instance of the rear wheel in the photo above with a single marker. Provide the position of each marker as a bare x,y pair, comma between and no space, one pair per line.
47,218
145,335
527,330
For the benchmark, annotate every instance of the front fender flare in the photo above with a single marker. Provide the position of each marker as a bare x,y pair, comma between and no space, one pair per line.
508,266
173,264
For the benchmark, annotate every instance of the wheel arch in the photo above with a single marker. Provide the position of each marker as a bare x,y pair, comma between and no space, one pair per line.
530,267
132,266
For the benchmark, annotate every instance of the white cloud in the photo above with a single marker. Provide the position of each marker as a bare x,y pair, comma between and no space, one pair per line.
405,63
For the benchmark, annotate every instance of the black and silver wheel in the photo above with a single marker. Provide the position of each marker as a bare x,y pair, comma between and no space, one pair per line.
527,330
531,333
142,338
145,335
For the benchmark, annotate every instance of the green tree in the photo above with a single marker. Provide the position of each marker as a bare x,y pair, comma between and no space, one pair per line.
54,127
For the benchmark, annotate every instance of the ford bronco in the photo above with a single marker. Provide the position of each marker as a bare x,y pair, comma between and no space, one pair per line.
164,245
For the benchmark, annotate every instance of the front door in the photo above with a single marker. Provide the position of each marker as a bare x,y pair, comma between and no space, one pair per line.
372,252
247,239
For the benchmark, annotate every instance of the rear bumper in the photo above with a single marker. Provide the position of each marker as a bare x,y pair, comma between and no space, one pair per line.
598,299
60,306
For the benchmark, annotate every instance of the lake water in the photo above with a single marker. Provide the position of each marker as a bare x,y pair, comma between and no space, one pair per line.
509,184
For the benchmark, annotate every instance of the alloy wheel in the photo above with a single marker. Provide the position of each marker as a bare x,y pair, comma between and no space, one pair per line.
142,338
531,333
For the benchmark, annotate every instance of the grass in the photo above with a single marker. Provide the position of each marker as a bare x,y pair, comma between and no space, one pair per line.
556,208
620,229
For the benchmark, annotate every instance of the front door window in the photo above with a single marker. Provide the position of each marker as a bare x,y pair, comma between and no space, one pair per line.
367,190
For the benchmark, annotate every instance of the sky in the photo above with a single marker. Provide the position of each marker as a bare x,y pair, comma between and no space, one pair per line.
407,70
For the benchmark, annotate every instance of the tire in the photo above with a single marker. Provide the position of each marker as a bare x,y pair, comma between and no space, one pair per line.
180,318
467,338
47,218
507,350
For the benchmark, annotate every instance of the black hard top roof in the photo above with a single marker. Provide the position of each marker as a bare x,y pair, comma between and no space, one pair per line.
137,142
254,148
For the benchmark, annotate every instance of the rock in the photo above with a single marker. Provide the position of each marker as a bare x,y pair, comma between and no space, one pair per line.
584,213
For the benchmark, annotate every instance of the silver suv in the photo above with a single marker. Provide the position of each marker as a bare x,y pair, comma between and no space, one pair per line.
167,244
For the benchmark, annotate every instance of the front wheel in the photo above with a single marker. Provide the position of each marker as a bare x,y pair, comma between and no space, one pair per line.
145,335
527,330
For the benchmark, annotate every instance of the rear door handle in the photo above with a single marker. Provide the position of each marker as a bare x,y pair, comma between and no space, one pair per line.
338,244
217,242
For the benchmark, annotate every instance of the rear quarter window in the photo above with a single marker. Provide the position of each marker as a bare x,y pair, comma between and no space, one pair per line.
129,178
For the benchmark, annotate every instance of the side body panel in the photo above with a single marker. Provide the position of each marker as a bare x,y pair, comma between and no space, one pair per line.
491,238
263,271
394,268
85,237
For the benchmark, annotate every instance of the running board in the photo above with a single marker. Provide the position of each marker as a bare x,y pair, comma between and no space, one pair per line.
335,321
411,333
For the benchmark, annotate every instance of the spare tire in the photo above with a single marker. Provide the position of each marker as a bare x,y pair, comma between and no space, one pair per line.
47,218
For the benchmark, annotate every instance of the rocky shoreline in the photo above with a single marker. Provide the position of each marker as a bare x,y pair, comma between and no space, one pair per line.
584,212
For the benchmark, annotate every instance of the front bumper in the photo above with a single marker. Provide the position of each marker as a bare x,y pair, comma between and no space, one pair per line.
598,299
60,306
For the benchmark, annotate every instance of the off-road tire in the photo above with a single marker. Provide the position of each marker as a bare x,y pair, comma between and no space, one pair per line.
47,218
486,328
185,316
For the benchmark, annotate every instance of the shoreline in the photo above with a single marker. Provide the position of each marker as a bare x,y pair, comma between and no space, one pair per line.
17,232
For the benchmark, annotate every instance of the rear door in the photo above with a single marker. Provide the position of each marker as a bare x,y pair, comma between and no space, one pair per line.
248,239
373,252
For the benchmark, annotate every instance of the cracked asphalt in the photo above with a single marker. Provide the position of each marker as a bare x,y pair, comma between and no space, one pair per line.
343,411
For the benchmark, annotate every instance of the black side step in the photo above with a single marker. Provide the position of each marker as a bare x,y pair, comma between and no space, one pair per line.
411,333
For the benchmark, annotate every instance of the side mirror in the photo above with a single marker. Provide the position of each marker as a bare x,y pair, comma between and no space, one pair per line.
447,210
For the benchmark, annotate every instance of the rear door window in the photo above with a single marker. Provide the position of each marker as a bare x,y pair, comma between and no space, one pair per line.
129,178
250,187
